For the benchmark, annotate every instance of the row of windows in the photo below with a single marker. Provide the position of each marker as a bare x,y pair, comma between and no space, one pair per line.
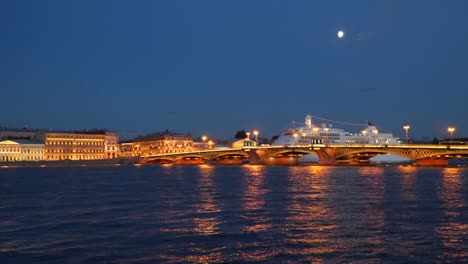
74,150
10,150
16,149
29,151
75,136
16,158
74,143
75,157
167,151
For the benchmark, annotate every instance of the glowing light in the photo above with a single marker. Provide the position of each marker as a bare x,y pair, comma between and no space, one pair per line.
256,135
340,34
406,127
451,129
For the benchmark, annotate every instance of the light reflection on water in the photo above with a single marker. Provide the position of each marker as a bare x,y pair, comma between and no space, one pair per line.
408,178
310,220
206,221
213,214
453,230
254,199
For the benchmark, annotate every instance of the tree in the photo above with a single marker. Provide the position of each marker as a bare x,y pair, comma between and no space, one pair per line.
240,135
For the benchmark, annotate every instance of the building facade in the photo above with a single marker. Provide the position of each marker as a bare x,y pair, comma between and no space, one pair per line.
82,145
111,142
165,142
21,150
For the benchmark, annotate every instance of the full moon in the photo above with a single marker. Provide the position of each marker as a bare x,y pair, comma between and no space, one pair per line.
340,34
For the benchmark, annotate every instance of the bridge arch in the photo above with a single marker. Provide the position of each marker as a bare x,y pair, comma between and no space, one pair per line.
191,159
443,154
160,160
352,153
231,154
300,152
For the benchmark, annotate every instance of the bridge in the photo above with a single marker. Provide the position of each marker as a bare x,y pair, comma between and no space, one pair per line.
331,154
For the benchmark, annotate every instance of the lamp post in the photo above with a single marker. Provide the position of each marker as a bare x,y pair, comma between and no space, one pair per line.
364,137
315,129
375,131
295,138
451,129
204,139
210,143
256,135
248,135
326,135
406,127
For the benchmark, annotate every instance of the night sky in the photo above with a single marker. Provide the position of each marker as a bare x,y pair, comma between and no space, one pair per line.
215,67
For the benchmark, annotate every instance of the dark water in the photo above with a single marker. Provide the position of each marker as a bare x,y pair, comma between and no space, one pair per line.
153,214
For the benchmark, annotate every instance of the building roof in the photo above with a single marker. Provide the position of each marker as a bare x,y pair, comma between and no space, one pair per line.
159,136
21,141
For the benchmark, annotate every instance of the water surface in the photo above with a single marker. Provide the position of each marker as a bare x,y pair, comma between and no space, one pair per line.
172,214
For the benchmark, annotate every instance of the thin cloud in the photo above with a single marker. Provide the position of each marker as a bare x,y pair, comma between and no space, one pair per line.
364,36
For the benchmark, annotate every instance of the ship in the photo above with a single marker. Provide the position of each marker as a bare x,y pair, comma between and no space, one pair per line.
310,133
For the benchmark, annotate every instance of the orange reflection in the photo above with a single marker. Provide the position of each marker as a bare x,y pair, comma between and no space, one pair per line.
453,229
207,223
370,171
450,192
408,177
374,191
254,198
311,220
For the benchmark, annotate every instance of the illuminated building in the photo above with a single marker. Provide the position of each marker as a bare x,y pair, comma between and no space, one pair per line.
111,142
21,150
164,142
244,143
82,145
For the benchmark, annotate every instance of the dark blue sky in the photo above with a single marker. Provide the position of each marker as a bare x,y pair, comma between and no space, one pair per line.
214,67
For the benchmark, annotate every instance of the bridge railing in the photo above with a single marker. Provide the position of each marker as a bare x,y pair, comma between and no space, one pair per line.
403,146
189,152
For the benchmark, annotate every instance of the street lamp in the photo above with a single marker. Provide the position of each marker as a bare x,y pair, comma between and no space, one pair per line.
406,127
256,135
204,139
375,131
295,137
248,135
364,137
210,143
326,132
451,129
315,129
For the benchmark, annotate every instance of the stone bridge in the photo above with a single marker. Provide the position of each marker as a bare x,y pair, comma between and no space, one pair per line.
217,156
327,154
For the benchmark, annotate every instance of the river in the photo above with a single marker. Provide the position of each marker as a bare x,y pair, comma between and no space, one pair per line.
236,214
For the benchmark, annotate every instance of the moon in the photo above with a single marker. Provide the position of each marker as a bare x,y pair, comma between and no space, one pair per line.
340,34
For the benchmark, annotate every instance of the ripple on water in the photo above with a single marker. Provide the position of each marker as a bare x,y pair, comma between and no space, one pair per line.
216,214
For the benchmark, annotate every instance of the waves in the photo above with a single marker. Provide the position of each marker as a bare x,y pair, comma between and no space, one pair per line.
214,214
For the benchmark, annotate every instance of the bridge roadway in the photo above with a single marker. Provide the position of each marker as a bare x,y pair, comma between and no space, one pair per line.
332,154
